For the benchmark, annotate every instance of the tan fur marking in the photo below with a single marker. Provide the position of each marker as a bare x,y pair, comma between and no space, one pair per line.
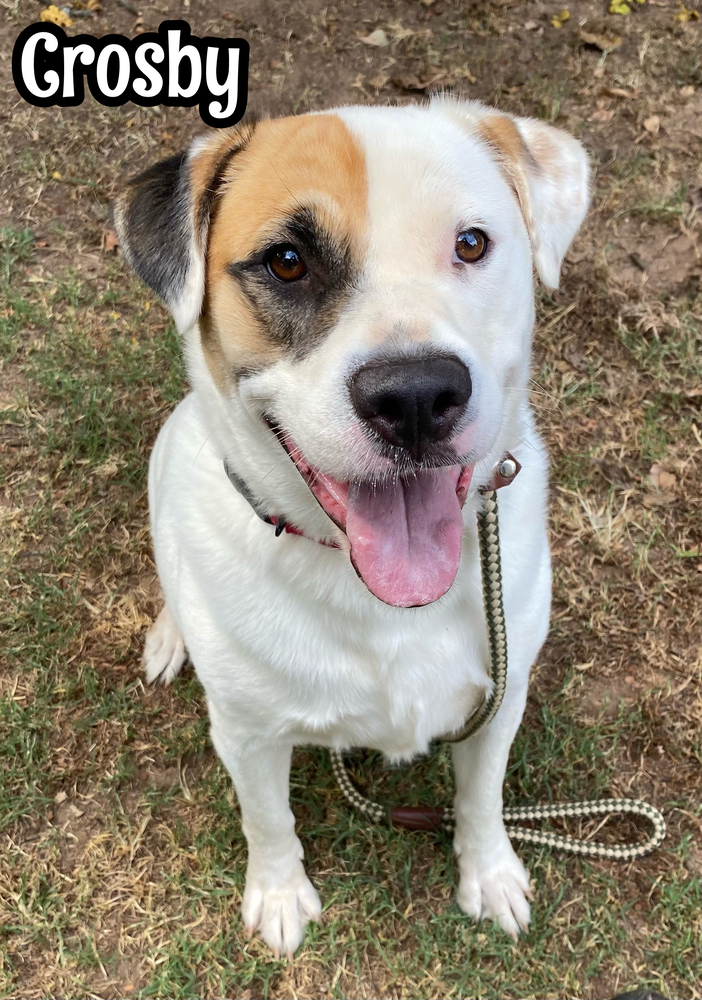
502,133
216,146
503,136
288,163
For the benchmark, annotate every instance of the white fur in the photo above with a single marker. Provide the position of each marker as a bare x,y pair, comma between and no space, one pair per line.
290,646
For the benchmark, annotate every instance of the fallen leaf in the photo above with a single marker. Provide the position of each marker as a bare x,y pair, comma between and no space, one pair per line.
60,797
110,468
601,116
600,40
531,25
558,20
74,812
109,241
684,14
619,92
56,176
360,84
660,478
55,15
652,124
377,38
463,73
619,7
399,31
94,5
658,499
379,81
688,91
411,82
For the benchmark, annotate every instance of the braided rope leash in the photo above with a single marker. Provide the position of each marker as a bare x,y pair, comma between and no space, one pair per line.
425,818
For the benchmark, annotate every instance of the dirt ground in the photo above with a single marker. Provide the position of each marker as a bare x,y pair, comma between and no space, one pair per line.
121,866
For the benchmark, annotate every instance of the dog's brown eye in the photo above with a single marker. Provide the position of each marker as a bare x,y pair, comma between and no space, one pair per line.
471,245
285,263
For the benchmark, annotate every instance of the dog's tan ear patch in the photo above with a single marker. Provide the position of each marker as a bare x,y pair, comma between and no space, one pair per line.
502,133
549,172
163,215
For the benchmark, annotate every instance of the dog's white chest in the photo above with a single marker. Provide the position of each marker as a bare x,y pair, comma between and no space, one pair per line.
396,700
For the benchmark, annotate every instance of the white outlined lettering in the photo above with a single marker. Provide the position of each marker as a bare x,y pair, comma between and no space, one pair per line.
27,62
102,70
216,109
170,67
85,54
151,74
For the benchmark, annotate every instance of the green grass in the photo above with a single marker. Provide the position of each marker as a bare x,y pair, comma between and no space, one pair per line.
664,209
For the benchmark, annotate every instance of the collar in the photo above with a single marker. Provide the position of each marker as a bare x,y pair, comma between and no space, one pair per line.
502,475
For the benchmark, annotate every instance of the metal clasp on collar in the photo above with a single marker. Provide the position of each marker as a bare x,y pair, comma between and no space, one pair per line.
503,474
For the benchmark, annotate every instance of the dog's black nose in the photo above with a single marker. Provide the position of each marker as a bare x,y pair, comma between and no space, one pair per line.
412,402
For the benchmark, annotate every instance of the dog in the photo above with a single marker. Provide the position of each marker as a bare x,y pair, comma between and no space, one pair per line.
355,293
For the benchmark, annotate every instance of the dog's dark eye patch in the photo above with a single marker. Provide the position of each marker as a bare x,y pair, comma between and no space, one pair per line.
298,314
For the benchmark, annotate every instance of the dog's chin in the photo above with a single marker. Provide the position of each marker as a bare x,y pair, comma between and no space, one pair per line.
404,530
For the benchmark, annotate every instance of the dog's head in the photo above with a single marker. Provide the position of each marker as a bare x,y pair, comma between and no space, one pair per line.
357,287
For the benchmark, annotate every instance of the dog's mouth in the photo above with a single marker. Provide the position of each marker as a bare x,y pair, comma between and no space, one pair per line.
404,531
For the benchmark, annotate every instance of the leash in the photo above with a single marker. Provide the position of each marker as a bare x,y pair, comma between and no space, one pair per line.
428,818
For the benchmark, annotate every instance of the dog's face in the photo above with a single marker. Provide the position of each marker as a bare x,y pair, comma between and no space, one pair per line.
360,282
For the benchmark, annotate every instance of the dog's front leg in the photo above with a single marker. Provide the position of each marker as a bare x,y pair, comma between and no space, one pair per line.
493,881
279,899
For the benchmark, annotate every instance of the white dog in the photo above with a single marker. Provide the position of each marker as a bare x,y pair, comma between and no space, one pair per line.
354,290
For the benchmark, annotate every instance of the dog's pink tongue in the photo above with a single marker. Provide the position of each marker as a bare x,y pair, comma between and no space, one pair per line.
406,537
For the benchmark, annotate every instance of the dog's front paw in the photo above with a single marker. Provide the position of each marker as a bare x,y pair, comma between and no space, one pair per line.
494,885
164,650
280,911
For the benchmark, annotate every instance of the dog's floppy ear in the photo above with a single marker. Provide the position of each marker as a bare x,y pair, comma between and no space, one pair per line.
547,169
162,219
549,172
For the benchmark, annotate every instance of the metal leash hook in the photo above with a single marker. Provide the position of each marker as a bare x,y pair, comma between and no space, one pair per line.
430,818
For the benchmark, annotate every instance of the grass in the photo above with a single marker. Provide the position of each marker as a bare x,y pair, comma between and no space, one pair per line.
123,860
